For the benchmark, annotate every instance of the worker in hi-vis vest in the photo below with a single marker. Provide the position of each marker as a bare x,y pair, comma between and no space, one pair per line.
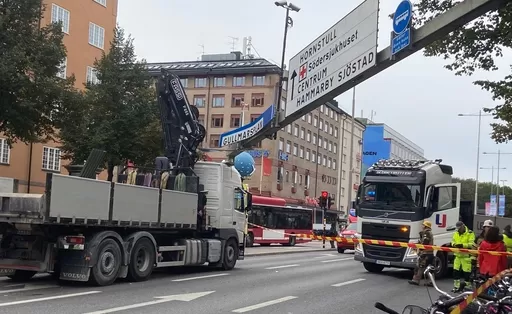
463,238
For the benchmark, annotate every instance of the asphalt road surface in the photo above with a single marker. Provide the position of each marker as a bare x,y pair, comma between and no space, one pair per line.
306,282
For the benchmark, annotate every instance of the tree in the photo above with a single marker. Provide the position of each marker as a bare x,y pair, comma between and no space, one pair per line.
477,46
30,59
118,114
485,189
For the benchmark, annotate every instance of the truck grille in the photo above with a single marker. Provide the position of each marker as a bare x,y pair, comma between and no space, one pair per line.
386,232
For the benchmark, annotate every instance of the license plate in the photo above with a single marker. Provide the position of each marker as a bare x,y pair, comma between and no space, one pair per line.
383,263
6,272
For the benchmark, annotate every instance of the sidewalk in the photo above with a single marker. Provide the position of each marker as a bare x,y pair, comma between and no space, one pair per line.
313,246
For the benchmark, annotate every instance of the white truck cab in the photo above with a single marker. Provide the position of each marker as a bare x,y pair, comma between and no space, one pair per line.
396,196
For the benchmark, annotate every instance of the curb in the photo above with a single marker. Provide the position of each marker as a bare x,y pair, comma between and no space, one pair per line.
288,252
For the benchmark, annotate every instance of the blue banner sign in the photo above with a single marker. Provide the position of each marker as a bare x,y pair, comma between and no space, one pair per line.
248,130
259,153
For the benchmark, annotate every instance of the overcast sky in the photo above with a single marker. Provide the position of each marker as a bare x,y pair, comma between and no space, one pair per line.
417,97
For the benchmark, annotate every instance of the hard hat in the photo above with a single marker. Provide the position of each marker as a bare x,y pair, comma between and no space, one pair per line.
427,224
488,223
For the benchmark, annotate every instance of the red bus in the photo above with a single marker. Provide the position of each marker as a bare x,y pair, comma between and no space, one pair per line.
271,221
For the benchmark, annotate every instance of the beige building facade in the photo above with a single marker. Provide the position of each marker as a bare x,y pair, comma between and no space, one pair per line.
309,156
88,26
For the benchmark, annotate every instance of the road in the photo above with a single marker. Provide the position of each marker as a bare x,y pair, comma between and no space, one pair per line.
305,282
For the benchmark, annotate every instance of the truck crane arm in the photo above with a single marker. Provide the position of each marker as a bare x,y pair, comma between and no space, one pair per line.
182,131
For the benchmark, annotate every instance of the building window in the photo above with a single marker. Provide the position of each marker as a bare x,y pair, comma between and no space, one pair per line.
345,142
302,133
288,146
5,151
102,2
59,14
322,108
335,148
200,101
217,121
325,161
237,100
258,80
289,128
330,129
184,82
308,152
342,191
343,174
235,121
238,81
319,159
63,69
336,132
287,176
303,118
96,35
314,139
92,76
281,144
257,100
200,82
300,179
254,117
315,121
336,117
329,162
325,144
332,114
326,128
344,159
320,141
313,157
306,181
301,152
214,140
308,136
296,130
219,81
321,127
51,159
295,149
327,111
218,101
330,146
309,118
334,164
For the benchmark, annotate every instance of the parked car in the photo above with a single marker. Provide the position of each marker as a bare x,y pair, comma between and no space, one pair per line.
349,232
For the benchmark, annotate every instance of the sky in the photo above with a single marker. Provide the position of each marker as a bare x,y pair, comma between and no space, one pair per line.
417,97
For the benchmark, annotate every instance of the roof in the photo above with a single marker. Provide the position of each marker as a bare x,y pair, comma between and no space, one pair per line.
204,68
268,201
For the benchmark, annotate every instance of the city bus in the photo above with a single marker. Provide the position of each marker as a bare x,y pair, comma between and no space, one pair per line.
272,221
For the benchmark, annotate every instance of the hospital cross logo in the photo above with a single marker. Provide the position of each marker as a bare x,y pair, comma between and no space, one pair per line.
441,220
303,71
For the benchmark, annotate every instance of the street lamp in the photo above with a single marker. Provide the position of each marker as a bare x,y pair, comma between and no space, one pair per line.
499,153
492,174
288,22
479,115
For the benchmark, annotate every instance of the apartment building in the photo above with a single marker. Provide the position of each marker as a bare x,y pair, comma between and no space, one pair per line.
309,155
88,26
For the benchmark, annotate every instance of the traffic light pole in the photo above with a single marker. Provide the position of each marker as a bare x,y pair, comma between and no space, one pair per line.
323,240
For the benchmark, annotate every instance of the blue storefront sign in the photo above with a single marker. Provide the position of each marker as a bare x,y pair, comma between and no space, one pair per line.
375,147
282,156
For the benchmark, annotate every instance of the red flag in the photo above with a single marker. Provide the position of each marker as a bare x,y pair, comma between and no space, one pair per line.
267,167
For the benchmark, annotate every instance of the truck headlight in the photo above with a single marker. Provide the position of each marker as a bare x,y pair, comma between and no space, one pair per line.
411,252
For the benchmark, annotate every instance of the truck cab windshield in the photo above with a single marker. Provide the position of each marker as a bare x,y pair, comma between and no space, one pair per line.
398,195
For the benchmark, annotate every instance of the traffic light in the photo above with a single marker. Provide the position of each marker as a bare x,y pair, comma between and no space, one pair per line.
323,200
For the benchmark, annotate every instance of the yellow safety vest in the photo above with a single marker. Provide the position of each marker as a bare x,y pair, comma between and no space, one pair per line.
508,242
467,239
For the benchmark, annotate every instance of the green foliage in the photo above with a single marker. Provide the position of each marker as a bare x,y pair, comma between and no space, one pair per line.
30,59
484,192
118,115
477,46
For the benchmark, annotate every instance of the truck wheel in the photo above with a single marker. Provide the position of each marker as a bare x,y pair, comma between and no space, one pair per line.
22,275
441,265
108,263
373,268
341,251
249,240
142,260
230,254
292,241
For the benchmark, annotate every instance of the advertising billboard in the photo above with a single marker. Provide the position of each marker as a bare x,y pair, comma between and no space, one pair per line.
375,147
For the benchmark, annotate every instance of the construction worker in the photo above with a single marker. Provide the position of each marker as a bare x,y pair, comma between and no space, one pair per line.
426,238
462,238
507,239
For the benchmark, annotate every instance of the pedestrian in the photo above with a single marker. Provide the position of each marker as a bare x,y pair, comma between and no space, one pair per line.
507,239
474,260
334,233
491,265
424,256
462,238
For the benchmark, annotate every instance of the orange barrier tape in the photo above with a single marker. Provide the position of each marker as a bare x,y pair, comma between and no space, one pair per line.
392,243
479,291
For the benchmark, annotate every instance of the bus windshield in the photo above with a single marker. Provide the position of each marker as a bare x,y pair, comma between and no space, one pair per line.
399,195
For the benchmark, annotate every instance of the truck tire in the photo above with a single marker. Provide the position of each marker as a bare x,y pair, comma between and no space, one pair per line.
441,265
142,260
108,263
373,268
341,251
249,240
230,254
22,275
292,240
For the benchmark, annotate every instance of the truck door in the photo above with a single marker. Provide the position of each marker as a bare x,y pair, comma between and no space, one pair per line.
444,207
239,217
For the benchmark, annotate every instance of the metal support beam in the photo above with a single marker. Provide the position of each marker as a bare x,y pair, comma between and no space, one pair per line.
435,29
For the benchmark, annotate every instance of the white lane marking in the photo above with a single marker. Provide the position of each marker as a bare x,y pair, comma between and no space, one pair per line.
326,255
55,297
338,260
282,266
28,288
187,297
346,283
264,304
200,277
